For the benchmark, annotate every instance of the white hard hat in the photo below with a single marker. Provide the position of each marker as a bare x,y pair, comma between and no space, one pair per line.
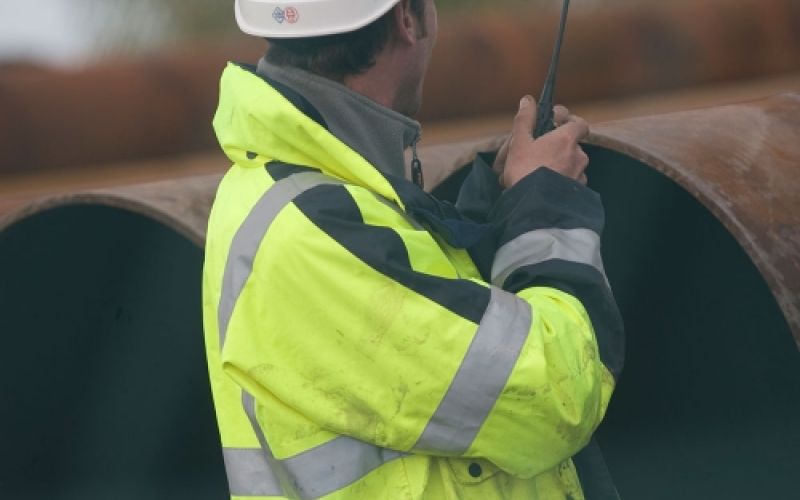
307,18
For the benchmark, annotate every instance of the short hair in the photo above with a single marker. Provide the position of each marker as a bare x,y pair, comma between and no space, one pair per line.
342,55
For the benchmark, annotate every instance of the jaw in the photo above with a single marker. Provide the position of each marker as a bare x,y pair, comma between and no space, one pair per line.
408,98
396,80
410,69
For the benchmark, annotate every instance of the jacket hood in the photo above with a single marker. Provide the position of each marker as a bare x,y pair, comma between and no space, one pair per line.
255,124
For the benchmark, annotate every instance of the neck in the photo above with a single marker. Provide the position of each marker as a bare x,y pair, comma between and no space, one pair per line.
373,86
388,83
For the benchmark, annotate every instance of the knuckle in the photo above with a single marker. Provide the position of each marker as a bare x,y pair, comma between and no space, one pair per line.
571,133
583,160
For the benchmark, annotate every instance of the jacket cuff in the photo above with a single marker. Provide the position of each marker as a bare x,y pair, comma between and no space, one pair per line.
544,218
480,190
546,199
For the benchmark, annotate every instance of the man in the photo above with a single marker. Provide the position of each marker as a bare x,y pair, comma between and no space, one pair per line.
365,340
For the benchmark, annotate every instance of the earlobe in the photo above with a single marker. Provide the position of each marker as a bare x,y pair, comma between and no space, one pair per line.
405,22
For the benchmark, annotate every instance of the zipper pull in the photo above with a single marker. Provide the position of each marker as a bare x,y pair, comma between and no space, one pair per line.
416,167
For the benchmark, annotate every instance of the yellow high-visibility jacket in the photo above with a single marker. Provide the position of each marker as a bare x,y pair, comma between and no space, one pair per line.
357,351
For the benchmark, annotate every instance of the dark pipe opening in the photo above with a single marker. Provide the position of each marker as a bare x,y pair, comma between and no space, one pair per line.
105,393
103,378
708,404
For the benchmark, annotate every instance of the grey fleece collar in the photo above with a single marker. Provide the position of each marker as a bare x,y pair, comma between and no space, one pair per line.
379,134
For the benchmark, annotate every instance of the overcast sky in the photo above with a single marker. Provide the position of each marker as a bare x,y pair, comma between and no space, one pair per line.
44,30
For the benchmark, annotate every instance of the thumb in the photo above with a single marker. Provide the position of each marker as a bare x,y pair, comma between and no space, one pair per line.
526,117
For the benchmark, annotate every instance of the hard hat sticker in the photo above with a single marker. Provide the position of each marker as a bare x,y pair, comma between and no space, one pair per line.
292,16
289,14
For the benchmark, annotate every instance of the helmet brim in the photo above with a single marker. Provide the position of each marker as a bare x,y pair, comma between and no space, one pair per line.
304,19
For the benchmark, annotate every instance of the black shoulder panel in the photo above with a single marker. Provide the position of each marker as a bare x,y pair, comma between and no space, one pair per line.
334,211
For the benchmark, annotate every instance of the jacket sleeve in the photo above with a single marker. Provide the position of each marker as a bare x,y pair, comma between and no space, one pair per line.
548,233
357,322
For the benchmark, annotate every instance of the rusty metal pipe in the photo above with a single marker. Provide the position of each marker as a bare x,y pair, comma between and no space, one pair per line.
702,246
741,163
100,297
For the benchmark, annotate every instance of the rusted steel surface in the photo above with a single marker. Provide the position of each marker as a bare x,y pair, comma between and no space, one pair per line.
741,161
710,393
181,204
116,111
18,189
184,203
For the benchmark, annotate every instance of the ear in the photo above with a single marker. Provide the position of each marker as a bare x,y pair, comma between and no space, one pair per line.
405,23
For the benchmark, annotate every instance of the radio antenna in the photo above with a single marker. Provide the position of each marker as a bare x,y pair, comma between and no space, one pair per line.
544,110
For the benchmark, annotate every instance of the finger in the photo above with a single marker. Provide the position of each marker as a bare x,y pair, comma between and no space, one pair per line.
502,153
526,117
583,158
577,127
573,117
502,156
560,115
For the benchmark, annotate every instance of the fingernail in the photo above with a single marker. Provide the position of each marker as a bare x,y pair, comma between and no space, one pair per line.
525,101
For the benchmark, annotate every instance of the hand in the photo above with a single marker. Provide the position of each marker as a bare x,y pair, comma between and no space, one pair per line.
560,117
559,150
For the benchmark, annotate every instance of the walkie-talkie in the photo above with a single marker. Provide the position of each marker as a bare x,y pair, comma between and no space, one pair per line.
544,109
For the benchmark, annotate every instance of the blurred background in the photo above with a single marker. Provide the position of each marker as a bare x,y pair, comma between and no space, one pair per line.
104,393
69,32
107,92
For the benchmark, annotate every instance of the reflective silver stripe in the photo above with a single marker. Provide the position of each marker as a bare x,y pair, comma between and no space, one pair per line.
575,245
481,377
322,470
316,472
249,474
277,471
335,465
252,231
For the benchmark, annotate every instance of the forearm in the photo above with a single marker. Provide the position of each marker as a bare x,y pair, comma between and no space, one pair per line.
548,232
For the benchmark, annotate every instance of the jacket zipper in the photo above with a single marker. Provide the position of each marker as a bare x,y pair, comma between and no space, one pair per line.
416,165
